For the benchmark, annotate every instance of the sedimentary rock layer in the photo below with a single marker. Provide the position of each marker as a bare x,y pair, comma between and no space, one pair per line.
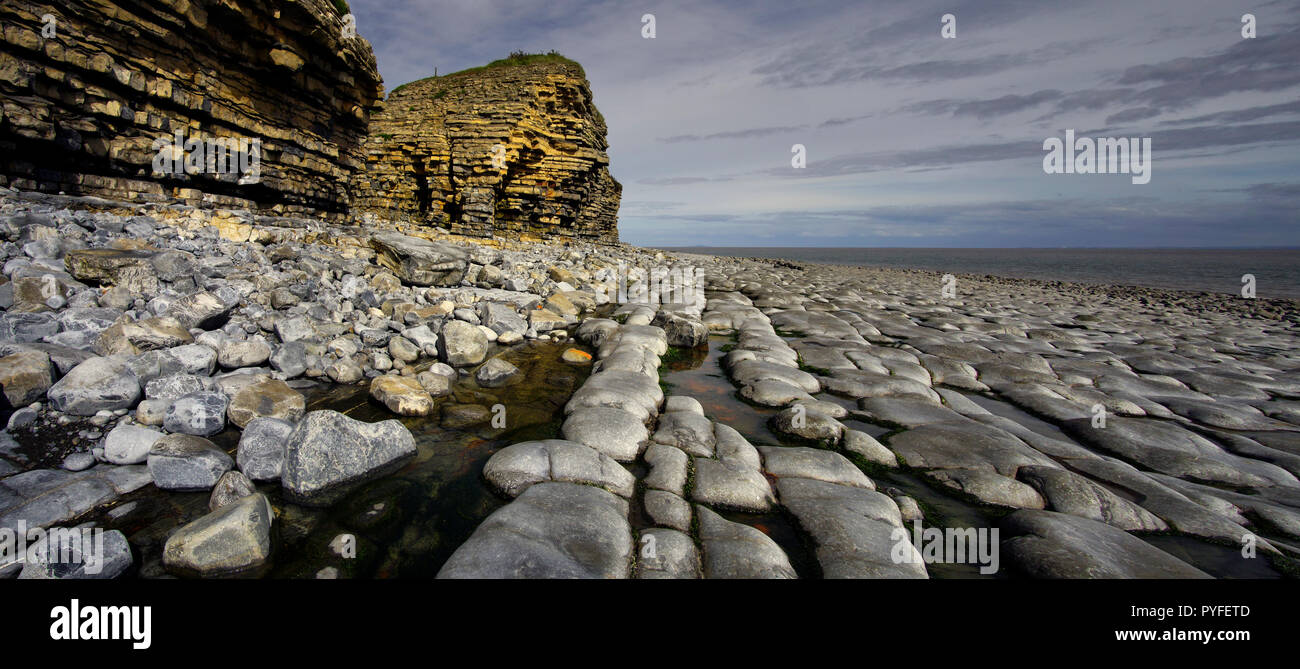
87,87
515,149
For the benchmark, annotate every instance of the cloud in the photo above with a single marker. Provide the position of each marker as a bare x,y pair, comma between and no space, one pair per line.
1135,114
987,108
1030,149
1150,90
843,52
679,181
910,136
733,134
1263,64
1242,115
1284,192
832,122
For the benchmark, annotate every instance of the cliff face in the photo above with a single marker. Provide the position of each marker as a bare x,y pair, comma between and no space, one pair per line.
514,149
94,93
80,111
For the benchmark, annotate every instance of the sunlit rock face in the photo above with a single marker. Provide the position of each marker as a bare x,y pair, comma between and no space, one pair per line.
86,89
515,149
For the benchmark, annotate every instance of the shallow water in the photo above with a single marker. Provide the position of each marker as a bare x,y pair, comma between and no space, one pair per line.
701,376
1214,559
407,524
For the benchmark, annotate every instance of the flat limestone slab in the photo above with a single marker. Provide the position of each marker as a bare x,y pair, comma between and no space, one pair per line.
552,530
853,528
1046,544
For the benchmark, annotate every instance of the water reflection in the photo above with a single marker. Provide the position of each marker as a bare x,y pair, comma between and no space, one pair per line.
407,524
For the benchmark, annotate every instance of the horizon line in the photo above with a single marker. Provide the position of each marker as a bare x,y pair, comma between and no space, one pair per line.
993,248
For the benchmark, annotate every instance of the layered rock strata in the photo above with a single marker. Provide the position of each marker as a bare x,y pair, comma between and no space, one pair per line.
87,88
514,149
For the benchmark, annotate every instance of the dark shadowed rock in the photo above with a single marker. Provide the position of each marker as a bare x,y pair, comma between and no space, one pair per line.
1046,544
553,530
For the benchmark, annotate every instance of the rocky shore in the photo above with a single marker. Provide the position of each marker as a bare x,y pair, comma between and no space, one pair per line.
177,352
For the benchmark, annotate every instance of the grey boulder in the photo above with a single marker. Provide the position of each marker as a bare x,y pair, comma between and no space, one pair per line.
129,444
260,455
233,539
462,344
496,373
328,454
202,414
419,261
187,462
95,385
108,556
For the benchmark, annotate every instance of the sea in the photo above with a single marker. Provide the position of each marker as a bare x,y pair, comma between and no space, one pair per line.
1276,271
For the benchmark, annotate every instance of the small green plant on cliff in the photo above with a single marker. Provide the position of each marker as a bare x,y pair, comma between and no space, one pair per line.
341,6
515,59
521,58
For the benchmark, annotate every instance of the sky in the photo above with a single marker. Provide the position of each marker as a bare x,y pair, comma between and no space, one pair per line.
910,139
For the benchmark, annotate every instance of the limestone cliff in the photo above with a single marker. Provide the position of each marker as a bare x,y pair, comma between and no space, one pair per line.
84,97
514,149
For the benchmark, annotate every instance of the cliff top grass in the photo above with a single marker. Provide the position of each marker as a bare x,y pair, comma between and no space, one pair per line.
515,59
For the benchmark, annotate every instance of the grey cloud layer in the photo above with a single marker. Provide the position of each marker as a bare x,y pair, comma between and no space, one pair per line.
910,137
